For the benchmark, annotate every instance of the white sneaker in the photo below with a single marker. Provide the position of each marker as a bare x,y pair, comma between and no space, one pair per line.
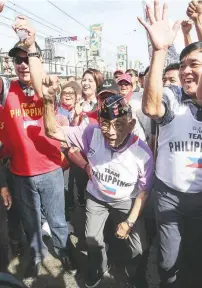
46,229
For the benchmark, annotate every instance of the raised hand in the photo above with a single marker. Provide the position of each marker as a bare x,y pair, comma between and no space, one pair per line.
161,34
186,26
2,2
50,86
78,107
194,10
22,23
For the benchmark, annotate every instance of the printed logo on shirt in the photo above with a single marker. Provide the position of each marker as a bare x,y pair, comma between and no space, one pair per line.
194,162
91,152
27,110
1,125
109,190
111,178
193,144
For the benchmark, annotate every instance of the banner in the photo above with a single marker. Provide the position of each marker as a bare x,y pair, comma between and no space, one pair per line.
95,39
63,39
172,55
122,57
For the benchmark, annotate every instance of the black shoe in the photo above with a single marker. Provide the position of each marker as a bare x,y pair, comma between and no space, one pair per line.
69,266
94,280
32,270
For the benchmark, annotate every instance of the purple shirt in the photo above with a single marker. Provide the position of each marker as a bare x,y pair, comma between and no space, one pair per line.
132,174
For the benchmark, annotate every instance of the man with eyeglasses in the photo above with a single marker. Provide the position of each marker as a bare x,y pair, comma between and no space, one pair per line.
178,193
37,177
121,168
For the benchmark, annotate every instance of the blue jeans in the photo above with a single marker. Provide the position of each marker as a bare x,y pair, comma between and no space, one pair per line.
44,191
3,237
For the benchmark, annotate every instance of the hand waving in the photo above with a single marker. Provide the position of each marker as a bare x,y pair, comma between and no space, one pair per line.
161,34
2,2
50,85
78,107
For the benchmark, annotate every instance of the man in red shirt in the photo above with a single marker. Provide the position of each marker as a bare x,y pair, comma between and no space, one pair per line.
37,177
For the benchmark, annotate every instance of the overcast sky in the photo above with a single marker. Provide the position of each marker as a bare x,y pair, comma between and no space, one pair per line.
119,19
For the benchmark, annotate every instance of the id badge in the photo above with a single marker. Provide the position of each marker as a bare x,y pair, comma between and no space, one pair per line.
30,123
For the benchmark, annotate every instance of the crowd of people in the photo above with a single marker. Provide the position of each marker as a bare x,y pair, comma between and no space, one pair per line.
132,145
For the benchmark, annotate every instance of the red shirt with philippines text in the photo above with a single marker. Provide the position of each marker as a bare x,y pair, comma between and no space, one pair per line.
32,153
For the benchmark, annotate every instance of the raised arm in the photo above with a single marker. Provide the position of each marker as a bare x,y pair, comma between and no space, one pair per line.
162,37
49,90
194,11
187,25
35,65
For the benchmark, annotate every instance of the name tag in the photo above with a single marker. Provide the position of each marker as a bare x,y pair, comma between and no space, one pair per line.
30,123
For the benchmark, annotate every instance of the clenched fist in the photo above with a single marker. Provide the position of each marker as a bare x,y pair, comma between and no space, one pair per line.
50,86
22,23
194,10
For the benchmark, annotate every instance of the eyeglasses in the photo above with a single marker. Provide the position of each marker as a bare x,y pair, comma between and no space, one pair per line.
19,60
68,93
118,126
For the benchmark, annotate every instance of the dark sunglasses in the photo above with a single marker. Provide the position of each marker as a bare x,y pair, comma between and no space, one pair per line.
19,60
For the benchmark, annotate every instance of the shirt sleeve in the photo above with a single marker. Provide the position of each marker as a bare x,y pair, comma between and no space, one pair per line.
146,167
171,100
79,136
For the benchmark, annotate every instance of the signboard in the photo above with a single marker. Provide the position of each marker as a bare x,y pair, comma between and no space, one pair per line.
95,39
122,57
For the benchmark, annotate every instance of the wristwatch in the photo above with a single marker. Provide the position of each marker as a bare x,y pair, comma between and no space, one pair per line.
36,54
130,223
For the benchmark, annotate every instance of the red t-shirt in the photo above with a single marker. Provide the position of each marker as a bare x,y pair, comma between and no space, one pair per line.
32,153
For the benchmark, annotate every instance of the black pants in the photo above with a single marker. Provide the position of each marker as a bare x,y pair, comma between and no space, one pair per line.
3,238
81,182
179,230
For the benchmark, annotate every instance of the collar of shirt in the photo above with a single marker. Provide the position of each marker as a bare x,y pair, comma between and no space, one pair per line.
28,91
185,97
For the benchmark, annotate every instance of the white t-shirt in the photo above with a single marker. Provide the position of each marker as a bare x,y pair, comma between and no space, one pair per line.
179,160
116,175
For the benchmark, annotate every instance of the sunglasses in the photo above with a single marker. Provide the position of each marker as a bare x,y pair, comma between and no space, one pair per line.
121,83
19,60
